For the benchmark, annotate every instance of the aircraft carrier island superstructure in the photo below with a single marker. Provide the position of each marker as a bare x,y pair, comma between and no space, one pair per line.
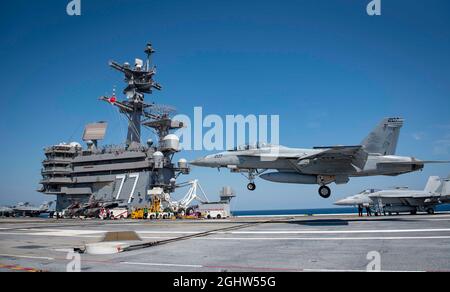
130,173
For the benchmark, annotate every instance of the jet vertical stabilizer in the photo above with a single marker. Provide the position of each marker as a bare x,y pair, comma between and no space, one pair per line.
384,138
434,184
446,187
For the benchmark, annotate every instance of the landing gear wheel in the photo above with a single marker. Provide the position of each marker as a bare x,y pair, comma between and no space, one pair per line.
189,211
430,211
325,192
251,187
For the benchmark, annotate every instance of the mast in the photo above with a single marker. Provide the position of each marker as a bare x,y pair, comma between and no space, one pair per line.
139,80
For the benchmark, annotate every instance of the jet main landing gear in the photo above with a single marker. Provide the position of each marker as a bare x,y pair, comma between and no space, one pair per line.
323,181
325,192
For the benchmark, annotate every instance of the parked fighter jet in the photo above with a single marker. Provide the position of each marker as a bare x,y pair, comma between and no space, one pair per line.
91,209
6,212
25,209
94,209
321,165
74,210
436,192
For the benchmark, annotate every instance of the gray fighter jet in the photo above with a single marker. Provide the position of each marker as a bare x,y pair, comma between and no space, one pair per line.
25,209
320,165
436,192
6,212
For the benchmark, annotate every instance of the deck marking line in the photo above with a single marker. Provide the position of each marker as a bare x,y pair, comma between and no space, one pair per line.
26,257
329,238
162,265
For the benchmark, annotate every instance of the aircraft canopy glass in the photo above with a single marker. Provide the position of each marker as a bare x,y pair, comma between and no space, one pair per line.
255,146
369,191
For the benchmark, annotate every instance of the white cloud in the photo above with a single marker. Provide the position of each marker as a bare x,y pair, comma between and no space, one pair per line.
418,136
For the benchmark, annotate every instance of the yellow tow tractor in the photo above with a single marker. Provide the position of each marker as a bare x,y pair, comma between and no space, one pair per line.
155,208
138,213
153,212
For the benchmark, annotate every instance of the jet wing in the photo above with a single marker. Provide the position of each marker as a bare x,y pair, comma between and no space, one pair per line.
327,160
414,162
344,150
405,196
324,160
339,147
274,154
347,156
408,199
401,165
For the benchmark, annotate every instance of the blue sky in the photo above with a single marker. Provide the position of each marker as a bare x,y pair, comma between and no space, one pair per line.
330,71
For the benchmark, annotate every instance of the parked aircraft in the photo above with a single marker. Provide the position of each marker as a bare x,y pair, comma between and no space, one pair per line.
436,192
25,209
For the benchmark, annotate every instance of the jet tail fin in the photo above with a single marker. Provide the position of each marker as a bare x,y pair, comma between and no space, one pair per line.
46,205
446,187
384,138
434,184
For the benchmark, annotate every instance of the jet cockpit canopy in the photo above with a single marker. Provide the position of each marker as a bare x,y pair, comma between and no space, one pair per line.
368,191
254,146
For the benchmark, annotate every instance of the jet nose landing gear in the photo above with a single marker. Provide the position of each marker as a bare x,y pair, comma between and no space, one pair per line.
325,192
251,187
252,175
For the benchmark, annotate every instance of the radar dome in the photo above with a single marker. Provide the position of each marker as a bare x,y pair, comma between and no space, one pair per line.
171,137
170,142
182,163
158,158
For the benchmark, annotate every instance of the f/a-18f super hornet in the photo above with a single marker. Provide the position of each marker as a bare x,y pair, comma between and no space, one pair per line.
90,209
6,212
25,209
436,192
320,165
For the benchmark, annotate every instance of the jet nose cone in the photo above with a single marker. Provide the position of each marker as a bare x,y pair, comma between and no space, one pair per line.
215,160
343,202
194,162
199,162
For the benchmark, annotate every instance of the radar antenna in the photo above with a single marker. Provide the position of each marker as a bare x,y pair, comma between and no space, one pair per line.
139,80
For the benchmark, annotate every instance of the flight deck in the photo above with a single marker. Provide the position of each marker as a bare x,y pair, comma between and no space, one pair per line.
242,244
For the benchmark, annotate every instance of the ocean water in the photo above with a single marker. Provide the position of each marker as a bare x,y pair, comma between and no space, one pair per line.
344,210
